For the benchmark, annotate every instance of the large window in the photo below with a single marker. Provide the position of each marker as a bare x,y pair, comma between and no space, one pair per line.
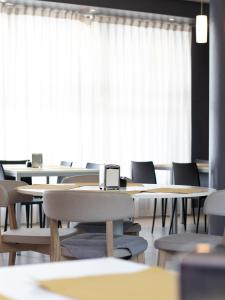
105,89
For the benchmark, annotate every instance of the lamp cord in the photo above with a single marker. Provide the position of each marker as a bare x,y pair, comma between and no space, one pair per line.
201,7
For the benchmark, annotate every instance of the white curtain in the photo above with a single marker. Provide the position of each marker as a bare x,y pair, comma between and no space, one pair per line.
106,89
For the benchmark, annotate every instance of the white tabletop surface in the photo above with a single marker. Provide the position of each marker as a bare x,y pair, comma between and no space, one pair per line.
31,190
20,282
23,171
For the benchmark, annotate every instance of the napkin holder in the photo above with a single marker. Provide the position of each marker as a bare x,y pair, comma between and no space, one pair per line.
37,160
109,177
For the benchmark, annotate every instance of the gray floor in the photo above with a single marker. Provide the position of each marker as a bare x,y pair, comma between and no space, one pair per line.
150,255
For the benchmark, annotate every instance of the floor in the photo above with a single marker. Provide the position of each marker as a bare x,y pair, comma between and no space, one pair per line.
150,255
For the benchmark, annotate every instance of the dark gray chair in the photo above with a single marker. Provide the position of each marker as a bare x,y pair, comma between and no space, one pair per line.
90,165
144,172
187,174
187,242
65,164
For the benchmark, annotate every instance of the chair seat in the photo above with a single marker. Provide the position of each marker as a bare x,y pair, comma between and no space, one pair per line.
93,245
128,227
185,242
34,235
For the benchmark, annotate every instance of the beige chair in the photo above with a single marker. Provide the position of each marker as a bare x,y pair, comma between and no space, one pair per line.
129,227
169,246
22,239
92,206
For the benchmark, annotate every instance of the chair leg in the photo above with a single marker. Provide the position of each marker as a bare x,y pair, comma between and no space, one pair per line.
184,211
31,216
193,209
44,220
12,258
198,216
6,219
164,214
60,224
154,213
40,214
206,229
162,209
173,214
27,214
141,258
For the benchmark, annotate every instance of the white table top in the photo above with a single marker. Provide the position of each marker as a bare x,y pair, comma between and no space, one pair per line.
16,170
19,282
38,190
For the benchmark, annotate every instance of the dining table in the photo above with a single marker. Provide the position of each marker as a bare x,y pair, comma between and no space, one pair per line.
85,277
137,191
19,172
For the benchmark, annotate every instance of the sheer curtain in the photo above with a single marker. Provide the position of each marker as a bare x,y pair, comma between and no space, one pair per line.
106,89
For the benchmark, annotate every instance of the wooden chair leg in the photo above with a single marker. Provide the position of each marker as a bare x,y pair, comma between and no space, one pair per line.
163,257
141,258
12,258
154,214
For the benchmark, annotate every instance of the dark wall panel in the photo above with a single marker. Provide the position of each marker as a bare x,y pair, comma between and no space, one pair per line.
200,100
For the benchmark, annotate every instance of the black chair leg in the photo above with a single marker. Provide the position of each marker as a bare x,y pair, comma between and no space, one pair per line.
44,220
173,214
154,214
162,209
198,217
27,206
206,229
193,209
184,211
31,216
59,224
6,219
40,214
165,211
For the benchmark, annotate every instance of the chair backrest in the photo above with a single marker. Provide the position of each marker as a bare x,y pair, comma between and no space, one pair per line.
2,173
9,194
186,174
81,178
88,206
92,166
143,172
16,162
215,204
65,164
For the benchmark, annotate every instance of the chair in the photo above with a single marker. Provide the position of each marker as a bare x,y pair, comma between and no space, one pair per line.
129,227
187,242
92,166
187,174
29,205
22,239
144,172
92,206
65,164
